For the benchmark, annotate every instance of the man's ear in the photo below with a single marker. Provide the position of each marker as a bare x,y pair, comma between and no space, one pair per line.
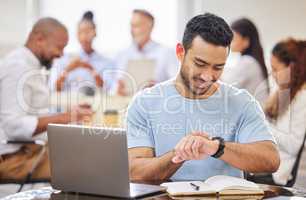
40,39
180,52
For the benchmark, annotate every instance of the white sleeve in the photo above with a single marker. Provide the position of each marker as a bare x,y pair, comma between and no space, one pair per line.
20,127
14,120
291,140
242,73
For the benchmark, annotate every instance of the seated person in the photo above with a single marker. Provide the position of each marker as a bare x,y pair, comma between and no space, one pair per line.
24,113
88,69
194,126
249,71
286,107
143,47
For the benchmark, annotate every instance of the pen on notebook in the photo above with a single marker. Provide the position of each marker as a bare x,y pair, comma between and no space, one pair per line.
194,186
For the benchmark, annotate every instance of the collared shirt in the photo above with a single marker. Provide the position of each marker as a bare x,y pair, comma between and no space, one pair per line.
165,59
24,96
82,77
159,117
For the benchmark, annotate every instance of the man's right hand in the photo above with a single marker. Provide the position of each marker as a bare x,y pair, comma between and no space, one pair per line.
81,113
194,146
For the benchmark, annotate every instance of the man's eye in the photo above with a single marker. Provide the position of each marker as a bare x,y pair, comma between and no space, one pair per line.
218,68
199,65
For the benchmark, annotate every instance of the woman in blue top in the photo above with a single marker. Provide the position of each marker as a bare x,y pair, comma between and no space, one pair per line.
86,69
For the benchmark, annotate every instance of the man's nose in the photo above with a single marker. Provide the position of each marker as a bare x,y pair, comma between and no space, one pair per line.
207,76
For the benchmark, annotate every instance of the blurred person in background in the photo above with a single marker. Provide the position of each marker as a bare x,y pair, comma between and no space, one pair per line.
286,107
24,112
249,71
143,47
87,68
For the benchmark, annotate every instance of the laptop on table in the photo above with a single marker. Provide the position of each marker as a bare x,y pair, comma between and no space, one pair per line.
92,160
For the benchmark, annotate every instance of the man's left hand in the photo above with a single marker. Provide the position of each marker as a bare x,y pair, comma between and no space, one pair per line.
195,146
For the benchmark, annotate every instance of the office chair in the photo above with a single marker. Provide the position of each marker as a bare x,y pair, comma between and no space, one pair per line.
27,179
294,172
295,168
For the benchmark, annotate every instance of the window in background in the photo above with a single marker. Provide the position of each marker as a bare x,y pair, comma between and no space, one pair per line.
113,21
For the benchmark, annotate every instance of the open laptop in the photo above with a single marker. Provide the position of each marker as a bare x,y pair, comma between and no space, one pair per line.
92,160
139,74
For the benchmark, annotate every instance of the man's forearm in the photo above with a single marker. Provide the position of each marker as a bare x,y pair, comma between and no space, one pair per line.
43,122
60,81
255,157
156,168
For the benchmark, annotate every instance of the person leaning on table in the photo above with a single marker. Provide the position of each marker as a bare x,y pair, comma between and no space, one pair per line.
194,126
24,100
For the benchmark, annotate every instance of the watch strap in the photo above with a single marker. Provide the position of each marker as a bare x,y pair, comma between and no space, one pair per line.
221,147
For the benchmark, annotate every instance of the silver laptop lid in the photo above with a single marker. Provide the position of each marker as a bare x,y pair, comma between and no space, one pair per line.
88,159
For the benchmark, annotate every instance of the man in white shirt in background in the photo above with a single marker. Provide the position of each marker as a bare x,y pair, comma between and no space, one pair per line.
24,99
143,47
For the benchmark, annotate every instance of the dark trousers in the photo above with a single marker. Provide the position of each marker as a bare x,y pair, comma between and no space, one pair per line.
261,178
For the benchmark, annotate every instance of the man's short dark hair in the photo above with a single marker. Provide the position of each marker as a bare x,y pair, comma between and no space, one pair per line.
209,27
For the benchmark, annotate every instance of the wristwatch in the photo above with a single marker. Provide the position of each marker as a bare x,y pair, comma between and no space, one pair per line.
221,147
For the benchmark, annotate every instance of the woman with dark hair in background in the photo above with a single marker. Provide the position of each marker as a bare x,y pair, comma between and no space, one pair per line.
87,68
286,107
249,72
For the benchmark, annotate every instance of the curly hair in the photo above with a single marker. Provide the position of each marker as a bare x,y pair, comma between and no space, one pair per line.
209,27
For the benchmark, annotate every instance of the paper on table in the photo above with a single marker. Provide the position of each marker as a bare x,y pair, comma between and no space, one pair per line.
221,182
184,188
224,185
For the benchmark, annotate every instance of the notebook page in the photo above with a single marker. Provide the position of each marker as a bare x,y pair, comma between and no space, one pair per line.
184,188
221,182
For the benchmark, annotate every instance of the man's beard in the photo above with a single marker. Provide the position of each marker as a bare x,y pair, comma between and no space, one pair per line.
138,38
47,63
188,85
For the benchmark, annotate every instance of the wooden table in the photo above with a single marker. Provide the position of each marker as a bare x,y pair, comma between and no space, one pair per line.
271,192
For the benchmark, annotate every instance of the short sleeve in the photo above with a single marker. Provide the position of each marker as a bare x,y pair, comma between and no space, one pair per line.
139,132
253,126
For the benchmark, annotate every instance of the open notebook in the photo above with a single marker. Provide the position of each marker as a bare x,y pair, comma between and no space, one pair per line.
222,185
